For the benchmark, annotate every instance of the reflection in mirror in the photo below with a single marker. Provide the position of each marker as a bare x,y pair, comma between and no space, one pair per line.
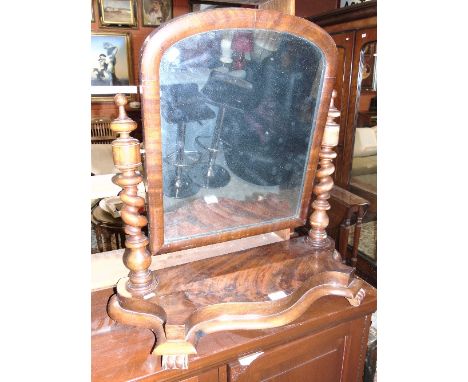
364,167
369,66
238,112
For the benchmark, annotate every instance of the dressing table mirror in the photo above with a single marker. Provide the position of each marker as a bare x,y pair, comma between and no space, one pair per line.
238,121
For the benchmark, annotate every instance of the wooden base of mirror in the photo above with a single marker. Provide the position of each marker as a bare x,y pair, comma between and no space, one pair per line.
234,291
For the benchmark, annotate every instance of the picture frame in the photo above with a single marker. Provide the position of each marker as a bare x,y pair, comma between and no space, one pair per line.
155,12
368,64
349,3
92,12
110,62
117,13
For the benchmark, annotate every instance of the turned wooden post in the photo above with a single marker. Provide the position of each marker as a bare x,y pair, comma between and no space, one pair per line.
127,159
319,218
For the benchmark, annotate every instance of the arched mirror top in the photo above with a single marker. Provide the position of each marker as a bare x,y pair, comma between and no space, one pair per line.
230,18
234,105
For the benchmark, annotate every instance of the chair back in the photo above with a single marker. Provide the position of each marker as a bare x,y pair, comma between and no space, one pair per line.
101,131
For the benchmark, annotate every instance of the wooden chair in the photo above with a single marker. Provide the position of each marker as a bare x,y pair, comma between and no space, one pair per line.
101,131
347,209
346,215
107,228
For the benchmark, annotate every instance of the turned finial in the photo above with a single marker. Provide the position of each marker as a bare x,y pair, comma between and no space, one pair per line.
122,124
127,159
121,100
319,218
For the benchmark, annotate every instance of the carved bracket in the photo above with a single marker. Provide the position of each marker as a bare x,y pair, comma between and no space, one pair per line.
175,342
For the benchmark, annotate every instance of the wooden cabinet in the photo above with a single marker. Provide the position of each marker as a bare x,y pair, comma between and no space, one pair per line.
326,357
212,375
351,28
344,43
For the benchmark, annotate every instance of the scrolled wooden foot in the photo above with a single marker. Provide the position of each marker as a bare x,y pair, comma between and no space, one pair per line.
176,349
179,362
175,354
357,299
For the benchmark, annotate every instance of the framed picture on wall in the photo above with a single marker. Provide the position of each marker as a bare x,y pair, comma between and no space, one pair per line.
115,13
111,61
156,12
348,3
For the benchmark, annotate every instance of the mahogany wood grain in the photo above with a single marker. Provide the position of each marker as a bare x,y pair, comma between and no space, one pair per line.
155,47
120,352
218,294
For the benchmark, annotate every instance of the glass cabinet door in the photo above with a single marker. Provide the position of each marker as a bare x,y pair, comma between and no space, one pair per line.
363,174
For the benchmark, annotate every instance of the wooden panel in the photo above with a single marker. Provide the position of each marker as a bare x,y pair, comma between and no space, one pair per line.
353,20
306,8
285,6
362,37
344,44
314,358
207,376
345,15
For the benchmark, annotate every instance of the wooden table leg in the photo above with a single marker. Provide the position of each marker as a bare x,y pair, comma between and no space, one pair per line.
120,240
344,234
98,232
357,234
107,239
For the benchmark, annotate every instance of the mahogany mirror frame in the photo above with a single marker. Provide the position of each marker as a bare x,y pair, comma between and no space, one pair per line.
156,44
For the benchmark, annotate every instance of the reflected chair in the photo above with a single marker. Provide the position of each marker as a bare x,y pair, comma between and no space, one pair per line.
225,92
101,131
183,105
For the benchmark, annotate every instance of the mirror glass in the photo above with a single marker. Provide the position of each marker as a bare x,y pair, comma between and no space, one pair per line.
363,179
238,111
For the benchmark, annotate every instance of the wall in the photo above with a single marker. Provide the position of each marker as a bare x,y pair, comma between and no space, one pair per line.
138,34
137,37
